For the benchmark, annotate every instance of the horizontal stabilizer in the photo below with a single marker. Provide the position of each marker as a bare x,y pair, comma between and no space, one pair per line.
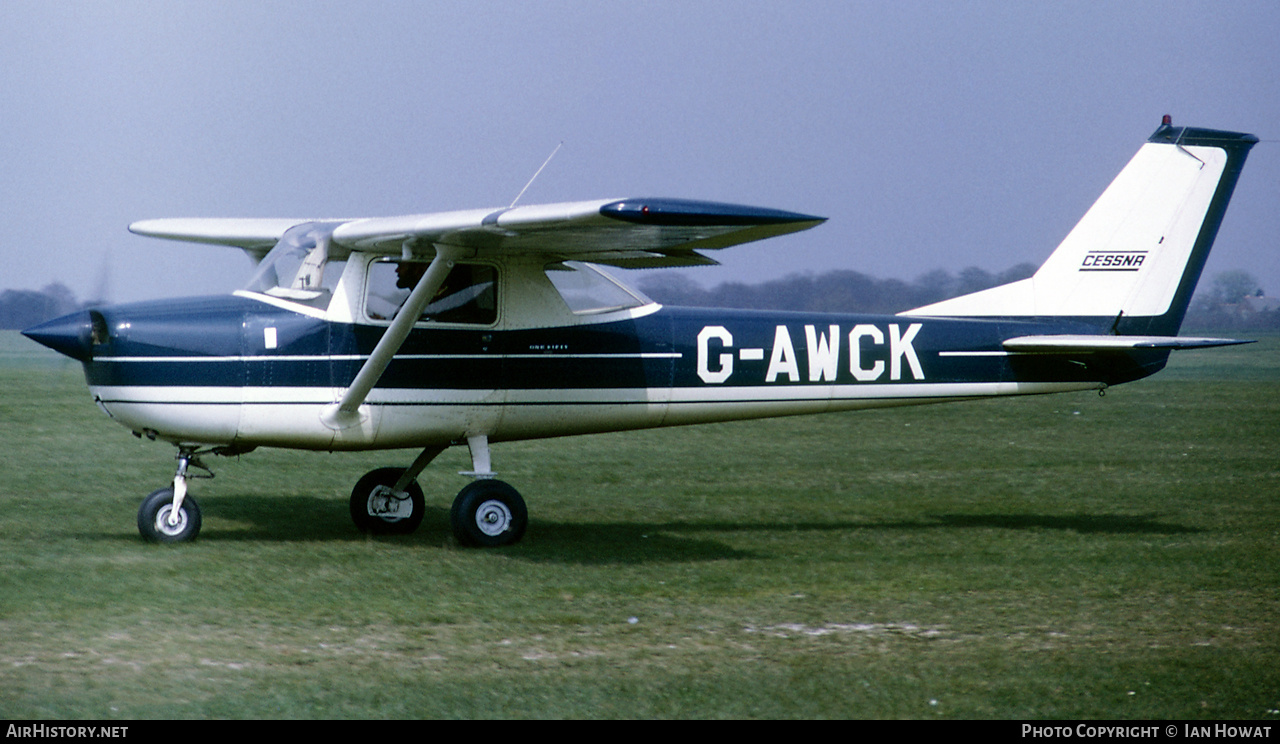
1074,344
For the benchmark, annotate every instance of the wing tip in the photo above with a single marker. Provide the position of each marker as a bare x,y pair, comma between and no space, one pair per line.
664,211
238,232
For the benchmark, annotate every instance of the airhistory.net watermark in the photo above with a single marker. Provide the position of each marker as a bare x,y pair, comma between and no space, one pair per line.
49,731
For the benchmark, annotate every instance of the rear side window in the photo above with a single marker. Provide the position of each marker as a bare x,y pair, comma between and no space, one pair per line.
586,289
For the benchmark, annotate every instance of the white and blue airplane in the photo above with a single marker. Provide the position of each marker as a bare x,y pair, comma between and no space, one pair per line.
493,325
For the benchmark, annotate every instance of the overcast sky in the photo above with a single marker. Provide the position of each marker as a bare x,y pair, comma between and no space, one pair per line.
932,134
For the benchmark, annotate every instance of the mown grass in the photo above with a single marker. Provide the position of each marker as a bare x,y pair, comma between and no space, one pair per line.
1057,557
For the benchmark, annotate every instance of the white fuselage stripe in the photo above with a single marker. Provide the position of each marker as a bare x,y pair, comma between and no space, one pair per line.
364,357
576,396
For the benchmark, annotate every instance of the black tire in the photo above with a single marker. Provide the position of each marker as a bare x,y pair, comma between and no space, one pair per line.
382,514
153,518
487,514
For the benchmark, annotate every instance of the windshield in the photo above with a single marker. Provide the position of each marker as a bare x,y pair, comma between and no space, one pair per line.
300,267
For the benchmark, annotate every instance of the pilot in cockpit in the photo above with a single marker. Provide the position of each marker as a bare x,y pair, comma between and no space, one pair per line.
408,274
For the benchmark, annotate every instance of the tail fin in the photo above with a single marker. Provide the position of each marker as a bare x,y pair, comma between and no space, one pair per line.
1133,261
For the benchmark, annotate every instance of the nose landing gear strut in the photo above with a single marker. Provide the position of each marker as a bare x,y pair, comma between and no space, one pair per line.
169,515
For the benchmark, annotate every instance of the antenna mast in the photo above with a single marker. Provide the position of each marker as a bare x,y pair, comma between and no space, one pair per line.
535,175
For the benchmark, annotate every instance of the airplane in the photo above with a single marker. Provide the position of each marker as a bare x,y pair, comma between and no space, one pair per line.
494,325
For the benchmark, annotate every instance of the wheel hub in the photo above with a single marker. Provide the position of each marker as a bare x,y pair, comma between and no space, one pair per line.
384,504
493,517
162,520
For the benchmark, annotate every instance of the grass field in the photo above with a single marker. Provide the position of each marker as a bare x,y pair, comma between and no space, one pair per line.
1070,556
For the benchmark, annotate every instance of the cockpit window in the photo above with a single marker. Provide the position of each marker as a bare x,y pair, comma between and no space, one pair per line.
300,267
468,295
587,289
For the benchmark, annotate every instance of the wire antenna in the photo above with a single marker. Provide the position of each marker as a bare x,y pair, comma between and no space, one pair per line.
535,174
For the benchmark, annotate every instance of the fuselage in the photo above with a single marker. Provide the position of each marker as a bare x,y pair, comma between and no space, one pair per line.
249,371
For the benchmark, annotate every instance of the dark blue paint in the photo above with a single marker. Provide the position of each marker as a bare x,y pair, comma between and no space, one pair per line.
70,335
228,331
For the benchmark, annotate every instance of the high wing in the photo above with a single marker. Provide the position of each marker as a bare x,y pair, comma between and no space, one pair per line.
631,233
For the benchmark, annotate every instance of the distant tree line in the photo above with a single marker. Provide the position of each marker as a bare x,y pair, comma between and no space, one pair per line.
1232,301
23,308
840,291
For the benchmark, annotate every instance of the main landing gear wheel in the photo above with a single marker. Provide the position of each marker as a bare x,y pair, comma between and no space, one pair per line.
156,525
377,509
488,513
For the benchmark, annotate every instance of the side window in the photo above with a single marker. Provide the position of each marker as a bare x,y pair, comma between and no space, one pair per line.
588,290
468,295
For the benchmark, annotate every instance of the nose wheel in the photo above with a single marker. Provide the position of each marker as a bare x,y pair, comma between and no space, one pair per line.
169,515
158,521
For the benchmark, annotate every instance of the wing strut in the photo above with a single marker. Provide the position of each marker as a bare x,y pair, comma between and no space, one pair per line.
346,412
